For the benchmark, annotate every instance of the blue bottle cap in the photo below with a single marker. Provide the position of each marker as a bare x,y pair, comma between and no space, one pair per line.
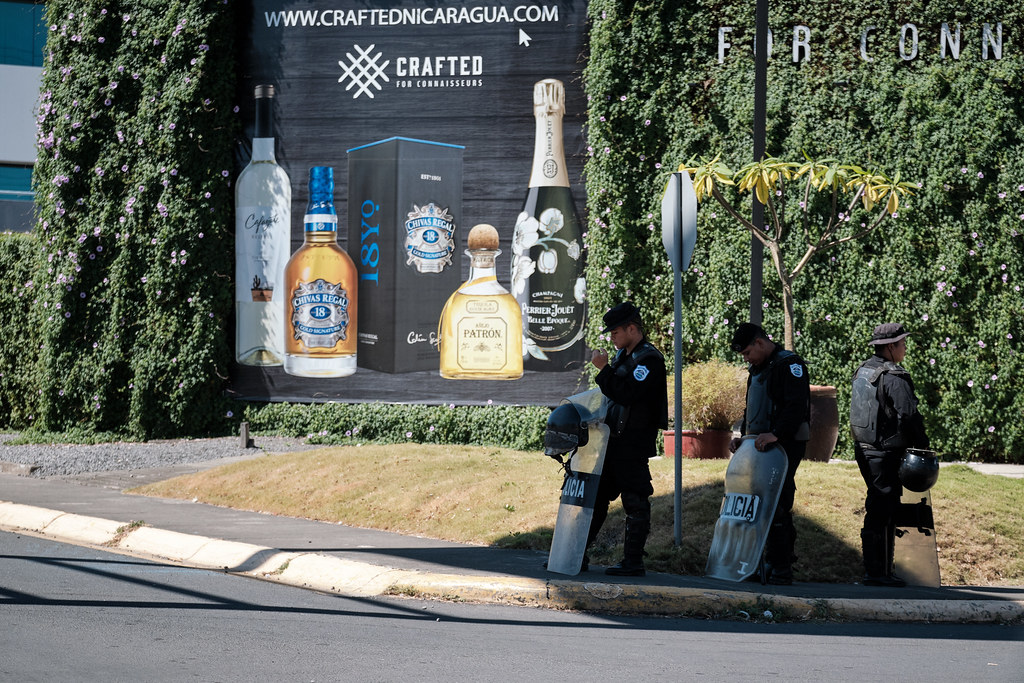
321,189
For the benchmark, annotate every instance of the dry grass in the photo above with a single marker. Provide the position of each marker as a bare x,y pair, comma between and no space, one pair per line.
509,498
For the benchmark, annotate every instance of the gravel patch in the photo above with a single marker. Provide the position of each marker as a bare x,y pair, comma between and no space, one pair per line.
63,460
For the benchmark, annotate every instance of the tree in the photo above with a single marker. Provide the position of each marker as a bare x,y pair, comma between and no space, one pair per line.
875,197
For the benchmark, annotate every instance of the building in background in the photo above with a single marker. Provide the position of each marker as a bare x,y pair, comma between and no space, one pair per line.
22,38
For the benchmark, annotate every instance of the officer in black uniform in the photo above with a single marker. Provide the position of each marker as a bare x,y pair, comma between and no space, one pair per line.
634,382
777,411
885,422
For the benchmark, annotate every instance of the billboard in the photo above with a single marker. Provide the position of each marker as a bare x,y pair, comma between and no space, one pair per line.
434,117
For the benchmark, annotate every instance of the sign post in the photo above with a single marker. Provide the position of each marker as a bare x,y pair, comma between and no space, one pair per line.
679,235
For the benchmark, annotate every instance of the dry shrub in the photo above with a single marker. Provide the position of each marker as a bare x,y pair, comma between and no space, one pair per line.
713,395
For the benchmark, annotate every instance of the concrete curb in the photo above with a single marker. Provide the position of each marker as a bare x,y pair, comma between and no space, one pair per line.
357,579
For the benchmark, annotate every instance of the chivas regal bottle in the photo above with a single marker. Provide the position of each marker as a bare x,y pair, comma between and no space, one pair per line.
480,331
263,217
321,309
547,246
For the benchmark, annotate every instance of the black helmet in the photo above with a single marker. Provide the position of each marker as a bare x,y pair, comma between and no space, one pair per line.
565,431
919,470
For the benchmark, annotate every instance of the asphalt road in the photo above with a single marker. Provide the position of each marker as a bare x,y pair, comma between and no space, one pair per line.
73,613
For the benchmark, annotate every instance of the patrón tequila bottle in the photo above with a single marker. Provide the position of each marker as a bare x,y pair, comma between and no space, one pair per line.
480,331
321,310
547,246
263,225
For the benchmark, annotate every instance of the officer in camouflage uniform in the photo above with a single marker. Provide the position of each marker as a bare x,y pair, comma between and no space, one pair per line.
778,411
634,383
885,422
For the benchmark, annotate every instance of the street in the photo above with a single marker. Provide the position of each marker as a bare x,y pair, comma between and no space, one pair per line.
72,613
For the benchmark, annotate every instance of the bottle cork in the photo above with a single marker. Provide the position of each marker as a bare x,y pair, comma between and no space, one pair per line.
482,236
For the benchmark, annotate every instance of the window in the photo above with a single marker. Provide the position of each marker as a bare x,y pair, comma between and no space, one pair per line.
22,33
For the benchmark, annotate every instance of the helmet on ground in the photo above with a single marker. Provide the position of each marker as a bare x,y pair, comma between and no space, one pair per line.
565,431
919,470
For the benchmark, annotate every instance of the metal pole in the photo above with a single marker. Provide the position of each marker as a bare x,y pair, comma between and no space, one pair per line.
677,274
679,235
760,116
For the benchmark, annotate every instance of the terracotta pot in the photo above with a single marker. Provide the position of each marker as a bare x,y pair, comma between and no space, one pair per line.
262,294
709,444
824,424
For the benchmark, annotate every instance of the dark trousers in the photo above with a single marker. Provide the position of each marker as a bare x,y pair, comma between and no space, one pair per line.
629,476
880,470
781,540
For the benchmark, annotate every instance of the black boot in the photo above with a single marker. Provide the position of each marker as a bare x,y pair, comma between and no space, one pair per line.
630,566
637,527
778,556
876,556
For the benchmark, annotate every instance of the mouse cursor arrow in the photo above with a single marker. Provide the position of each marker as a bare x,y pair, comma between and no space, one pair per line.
524,38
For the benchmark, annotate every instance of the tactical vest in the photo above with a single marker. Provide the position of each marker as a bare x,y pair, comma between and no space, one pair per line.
865,406
760,411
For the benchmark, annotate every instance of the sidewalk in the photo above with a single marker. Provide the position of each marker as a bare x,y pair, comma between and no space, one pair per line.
91,510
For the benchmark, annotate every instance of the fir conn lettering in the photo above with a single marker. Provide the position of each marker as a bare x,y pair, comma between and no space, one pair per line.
951,42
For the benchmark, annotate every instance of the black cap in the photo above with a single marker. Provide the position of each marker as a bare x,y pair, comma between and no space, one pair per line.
745,334
619,315
887,333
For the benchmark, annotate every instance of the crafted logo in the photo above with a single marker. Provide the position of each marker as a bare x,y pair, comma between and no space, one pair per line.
363,72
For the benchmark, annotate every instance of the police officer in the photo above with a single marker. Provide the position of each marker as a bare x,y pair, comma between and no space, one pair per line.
777,411
634,383
885,422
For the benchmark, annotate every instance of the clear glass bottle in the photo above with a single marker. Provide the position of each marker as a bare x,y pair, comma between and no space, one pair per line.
263,218
547,246
321,279
480,327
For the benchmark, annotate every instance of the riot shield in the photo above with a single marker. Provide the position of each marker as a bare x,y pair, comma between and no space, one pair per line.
753,482
579,488
915,556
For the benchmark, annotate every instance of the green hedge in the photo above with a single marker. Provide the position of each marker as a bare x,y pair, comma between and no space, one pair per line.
515,427
950,267
133,186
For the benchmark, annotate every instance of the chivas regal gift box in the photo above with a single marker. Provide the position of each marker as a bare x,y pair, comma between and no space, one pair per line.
404,212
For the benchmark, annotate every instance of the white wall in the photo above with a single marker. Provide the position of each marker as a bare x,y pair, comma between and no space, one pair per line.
19,95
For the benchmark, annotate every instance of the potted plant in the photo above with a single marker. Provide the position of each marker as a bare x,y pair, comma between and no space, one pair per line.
713,395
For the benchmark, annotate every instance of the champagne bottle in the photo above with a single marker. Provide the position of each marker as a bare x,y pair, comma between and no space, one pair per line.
547,246
321,309
263,217
480,328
